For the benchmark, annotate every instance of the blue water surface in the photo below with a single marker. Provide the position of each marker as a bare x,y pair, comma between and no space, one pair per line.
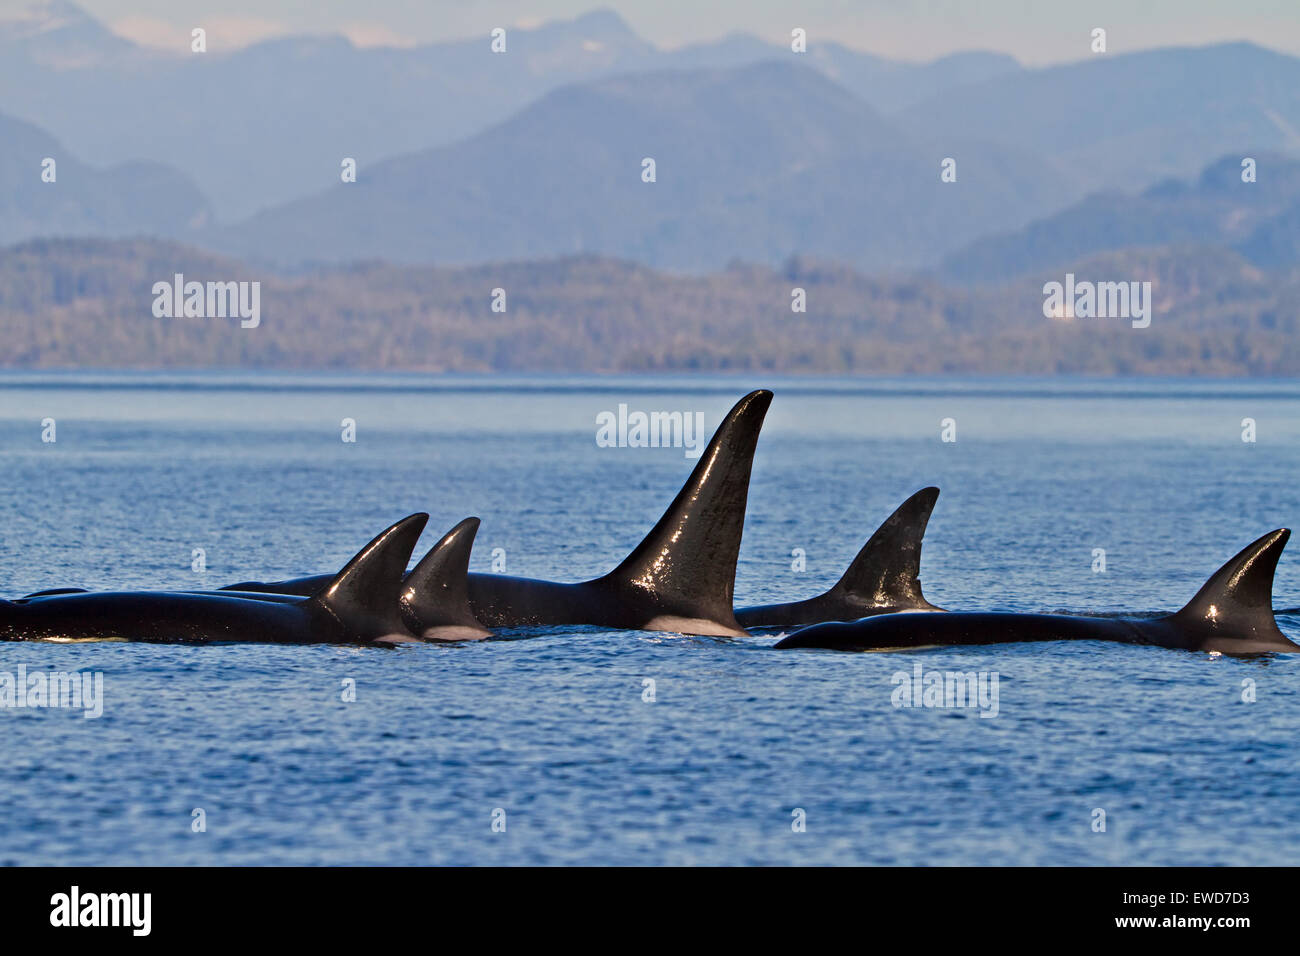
553,733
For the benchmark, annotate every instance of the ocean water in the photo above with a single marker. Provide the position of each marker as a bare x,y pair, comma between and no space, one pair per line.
1191,758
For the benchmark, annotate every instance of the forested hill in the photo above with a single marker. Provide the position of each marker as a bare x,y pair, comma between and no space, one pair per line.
90,304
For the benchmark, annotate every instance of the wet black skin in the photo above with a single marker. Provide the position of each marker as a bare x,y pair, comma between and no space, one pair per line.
510,602
924,630
882,579
929,630
433,599
682,575
503,601
824,607
359,605
173,618
680,578
1231,614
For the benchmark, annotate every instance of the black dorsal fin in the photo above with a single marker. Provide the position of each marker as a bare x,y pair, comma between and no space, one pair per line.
686,565
436,594
886,572
1237,601
364,595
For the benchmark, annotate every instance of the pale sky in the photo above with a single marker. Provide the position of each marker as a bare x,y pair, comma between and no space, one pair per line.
1034,31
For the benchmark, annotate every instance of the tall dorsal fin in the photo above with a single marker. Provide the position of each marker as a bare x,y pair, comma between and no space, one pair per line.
687,563
435,593
365,594
1237,601
886,572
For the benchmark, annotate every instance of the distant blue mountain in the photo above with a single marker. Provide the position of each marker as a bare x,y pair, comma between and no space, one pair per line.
757,162
271,122
1128,121
1275,243
135,199
55,35
1259,219
468,156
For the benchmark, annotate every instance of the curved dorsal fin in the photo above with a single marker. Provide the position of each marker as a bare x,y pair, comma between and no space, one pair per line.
364,595
436,591
687,562
886,572
1238,599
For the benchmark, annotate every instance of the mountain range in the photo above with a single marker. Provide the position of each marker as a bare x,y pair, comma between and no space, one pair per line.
1257,217
756,163
270,122
131,198
466,156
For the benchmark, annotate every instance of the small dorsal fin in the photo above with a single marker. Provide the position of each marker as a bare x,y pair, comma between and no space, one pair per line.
886,572
435,594
1237,601
686,565
365,594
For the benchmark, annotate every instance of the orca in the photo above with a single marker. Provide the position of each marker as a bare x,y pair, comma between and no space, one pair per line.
1231,614
358,606
882,579
434,597
435,594
681,577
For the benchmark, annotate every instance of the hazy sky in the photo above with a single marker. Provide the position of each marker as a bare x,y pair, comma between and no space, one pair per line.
1035,31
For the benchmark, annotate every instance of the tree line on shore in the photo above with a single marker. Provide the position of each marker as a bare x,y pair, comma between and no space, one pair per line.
88,304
